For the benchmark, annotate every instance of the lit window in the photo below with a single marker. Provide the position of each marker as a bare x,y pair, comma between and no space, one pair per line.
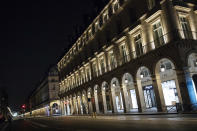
138,44
124,52
94,68
112,60
158,34
102,65
185,27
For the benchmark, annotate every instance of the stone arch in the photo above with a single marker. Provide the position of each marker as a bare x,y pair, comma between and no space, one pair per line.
84,102
129,93
106,94
75,104
146,91
117,95
79,102
167,83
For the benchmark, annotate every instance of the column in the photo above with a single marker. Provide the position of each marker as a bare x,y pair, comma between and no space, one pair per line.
170,20
125,106
96,101
125,98
113,96
140,96
104,101
161,107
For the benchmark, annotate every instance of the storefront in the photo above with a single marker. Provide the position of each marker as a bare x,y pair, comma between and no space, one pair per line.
170,93
133,99
149,97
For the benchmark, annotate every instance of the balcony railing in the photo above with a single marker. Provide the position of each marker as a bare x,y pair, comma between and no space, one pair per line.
145,49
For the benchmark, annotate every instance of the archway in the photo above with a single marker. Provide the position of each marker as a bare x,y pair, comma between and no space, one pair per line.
55,109
129,93
106,94
91,100
168,86
84,102
117,96
79,102
75,105
71,105
146,90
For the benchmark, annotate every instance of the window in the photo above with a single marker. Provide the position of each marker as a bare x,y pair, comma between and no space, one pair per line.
88,73
195,63
112,60
94,69
138,44
96,26
158,34
124,53
168,66
102,65
90,33
105,17
115,6
151,4
185,27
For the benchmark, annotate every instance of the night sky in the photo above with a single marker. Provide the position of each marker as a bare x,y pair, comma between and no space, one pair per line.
33,34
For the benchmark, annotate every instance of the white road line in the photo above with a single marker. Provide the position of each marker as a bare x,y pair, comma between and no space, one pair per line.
4,127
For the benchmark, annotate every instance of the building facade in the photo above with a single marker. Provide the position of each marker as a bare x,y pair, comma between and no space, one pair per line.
44,99
136,56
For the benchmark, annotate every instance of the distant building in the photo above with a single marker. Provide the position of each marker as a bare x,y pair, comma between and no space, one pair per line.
3,102
44,99
135,56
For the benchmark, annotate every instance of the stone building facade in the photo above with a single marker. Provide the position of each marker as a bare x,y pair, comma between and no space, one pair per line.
44,99
136,56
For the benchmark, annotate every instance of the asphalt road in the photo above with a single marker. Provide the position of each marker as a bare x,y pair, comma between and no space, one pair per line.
130,123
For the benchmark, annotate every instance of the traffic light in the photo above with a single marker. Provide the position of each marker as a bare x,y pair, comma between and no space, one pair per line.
23,106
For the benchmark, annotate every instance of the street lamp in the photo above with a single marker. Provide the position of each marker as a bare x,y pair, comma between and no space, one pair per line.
126,81
141,75
114,84
162,67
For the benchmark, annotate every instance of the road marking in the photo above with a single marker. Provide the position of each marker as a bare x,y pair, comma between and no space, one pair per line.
4,127
35,124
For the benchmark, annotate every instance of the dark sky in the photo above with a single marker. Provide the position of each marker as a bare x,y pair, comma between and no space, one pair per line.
32,36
